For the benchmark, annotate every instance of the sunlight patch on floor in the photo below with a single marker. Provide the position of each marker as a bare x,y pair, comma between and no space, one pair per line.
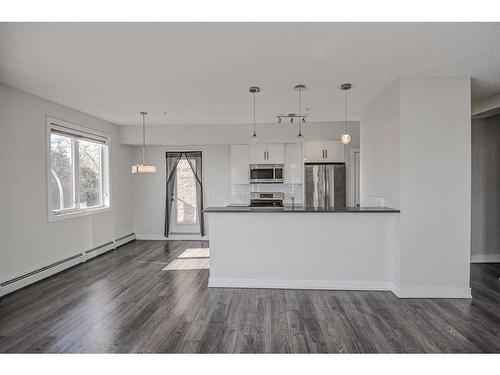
201,252
188,264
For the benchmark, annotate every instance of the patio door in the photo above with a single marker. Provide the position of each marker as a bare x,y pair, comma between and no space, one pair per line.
184,193
184,204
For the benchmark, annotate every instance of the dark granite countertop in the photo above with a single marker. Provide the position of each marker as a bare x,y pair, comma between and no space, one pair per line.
300,209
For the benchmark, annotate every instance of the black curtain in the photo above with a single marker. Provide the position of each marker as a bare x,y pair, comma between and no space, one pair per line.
195,162
194,159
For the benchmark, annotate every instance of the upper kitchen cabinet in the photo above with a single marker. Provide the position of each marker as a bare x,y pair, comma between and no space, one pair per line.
293,163
240,160
323,151
267,153
314,151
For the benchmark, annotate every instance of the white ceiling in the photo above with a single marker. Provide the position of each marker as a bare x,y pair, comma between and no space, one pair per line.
199,73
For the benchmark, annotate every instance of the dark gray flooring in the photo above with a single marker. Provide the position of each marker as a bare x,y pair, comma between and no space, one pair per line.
123,302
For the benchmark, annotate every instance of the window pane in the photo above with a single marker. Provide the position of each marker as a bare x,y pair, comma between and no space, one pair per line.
61,176
185,193
90,174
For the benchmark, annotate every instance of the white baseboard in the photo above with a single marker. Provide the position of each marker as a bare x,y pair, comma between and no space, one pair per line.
172,237
20,281
300,284
375,285
485,258
432,292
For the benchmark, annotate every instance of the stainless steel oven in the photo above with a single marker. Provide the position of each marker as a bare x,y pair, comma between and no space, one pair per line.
274,199
266,173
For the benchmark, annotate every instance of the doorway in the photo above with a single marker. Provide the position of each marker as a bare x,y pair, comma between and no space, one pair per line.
184,192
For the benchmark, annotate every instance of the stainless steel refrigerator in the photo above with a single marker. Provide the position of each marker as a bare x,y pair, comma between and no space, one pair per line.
325,185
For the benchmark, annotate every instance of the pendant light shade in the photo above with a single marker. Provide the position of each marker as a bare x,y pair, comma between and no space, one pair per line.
144,168
254,139
345,139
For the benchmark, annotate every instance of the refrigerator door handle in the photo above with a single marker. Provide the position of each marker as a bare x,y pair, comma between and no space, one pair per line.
327,189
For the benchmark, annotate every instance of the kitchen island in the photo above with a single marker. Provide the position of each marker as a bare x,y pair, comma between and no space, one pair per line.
302,248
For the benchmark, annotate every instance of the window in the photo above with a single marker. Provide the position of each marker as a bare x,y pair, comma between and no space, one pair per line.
77,170
186,193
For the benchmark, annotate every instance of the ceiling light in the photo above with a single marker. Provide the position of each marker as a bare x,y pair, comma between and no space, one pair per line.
254,90
299,89
143,168
345,139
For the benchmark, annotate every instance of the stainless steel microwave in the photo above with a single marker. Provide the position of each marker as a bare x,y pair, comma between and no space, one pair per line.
266,173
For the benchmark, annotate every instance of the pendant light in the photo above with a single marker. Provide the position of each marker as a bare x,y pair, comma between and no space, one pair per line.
254,90
299,89
144,168
345,139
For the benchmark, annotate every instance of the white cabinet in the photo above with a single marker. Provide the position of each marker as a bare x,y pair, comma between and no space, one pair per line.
258,153
293,163
314,151
334,151
324,151
267,153
240,160
276,153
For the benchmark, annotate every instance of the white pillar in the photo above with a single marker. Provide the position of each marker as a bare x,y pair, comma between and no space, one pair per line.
416,151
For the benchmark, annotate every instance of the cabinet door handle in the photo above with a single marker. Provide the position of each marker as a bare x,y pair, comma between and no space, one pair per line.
326,154
322,154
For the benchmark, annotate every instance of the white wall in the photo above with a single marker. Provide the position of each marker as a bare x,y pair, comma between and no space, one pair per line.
485,215
435,182
486,107
27,240
183,135
379,127
434,149
150,192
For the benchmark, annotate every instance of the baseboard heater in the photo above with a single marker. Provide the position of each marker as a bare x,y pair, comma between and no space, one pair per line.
26,275
99,247
8,286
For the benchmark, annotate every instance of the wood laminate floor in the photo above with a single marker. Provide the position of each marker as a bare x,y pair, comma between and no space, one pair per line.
123,302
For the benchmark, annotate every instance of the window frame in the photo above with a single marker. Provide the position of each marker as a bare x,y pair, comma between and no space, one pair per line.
77,130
